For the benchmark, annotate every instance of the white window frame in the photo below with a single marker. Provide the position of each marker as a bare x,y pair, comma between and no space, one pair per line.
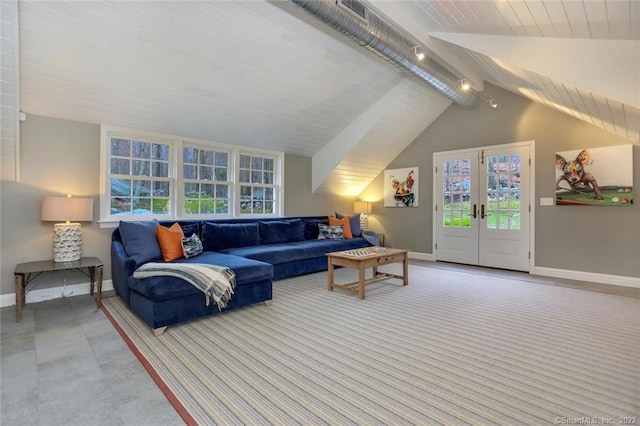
230,176
177,143
278,182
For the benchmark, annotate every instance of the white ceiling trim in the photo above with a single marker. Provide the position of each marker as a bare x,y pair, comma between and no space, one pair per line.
608,67
411,113
328,157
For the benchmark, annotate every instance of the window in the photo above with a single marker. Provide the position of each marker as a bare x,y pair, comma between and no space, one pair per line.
139,182
205,174
148,175
257,184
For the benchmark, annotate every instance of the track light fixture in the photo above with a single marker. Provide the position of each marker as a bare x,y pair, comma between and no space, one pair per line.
492,103
419,55
464,84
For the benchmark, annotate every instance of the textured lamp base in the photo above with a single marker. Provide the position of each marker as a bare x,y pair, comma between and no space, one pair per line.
67,242
364,221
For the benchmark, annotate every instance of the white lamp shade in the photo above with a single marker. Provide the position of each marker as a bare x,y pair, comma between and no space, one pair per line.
61,209
362,207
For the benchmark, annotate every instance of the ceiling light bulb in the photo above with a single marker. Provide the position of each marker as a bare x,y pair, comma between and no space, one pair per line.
420,55
465,85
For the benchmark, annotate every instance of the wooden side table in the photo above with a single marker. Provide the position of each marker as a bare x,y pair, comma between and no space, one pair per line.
27,272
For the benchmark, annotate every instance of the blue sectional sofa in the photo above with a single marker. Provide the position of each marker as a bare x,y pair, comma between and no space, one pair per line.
257,250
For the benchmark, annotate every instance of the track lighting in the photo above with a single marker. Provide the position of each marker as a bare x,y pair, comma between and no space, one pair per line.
464,84
492,103
419,55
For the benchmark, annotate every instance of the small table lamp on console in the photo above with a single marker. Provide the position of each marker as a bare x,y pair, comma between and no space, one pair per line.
67,237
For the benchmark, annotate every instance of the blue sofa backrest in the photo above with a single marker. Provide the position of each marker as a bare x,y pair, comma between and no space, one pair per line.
310,224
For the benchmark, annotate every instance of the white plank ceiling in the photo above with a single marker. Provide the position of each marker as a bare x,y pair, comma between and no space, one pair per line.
261,74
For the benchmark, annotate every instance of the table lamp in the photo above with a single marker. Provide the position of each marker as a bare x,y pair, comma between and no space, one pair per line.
67,237
364,208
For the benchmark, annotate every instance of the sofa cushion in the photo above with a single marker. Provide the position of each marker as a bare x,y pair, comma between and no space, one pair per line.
280,231
310,227
219,236
299,250
140,241
170,240
163,288
354,221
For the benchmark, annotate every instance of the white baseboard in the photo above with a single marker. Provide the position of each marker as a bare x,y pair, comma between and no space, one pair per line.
40,295
588,276
421,256
561,273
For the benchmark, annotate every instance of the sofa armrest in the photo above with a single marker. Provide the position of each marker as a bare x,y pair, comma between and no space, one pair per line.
122,267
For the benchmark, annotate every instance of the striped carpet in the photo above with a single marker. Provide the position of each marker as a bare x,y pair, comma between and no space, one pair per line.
450,348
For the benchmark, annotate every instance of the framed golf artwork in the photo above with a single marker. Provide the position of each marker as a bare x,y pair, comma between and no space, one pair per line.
595,176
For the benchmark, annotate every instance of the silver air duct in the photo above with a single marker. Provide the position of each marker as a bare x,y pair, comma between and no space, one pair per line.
354,19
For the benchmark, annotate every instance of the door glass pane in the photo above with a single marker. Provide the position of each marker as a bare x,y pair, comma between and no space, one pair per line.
503,191
446,218
456,194
514,221
492,219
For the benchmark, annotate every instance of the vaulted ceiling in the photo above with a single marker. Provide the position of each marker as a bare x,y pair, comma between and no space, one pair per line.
265,74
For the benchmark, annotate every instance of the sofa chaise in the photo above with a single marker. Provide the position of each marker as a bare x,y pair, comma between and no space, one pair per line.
257,250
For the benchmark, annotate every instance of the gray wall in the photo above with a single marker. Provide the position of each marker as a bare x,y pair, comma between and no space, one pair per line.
60,157
57,157
591,239
297,192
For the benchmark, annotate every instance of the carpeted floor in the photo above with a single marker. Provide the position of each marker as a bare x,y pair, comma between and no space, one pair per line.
450,348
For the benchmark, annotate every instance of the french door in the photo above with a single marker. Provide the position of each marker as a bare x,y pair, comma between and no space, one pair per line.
482,206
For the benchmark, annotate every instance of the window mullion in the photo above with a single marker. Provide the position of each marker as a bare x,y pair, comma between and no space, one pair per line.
178,179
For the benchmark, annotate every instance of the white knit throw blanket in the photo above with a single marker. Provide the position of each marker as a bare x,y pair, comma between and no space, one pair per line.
216,282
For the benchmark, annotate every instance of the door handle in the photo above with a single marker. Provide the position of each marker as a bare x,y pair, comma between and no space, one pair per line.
475,211
482,215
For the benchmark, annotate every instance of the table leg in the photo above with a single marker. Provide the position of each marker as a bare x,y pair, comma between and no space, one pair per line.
19,296
330,275
361,280
405,270
92,278
99,297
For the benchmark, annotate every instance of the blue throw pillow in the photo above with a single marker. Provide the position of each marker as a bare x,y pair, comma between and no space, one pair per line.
140,240
219,236
310,228
354,221
281,231
190,229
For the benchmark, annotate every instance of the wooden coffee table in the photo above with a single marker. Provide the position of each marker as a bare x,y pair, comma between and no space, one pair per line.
369,257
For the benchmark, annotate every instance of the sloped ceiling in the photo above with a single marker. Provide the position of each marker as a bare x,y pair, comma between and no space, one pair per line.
580,57
262,74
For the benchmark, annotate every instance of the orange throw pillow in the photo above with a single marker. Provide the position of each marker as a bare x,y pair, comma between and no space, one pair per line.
170,240
346,230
